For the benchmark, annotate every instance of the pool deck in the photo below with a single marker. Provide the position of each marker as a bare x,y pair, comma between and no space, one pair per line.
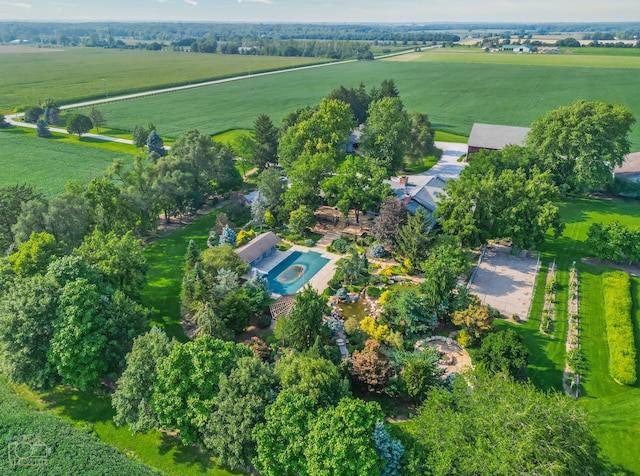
320,280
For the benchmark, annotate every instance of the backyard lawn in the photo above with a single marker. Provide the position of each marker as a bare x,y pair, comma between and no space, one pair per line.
613,409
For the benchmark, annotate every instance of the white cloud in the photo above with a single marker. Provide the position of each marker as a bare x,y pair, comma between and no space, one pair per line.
63,4
17,4
254,1
191,2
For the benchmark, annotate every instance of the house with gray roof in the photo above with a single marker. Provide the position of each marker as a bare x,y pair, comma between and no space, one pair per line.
258,249
419,191
494,137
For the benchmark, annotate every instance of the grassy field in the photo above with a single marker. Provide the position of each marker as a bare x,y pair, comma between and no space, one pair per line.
87,73
48,164
613,409
455,89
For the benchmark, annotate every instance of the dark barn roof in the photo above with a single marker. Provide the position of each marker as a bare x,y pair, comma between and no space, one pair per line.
495,137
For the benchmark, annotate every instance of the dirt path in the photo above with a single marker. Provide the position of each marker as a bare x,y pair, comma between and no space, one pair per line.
633,270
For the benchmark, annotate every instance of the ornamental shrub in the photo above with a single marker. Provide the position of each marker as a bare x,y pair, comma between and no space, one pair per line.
342,294
228,236
464,338
374,292
244,237
340,245
378,251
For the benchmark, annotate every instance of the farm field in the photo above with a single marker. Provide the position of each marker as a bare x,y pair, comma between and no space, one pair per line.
613,409
89,73
48,164
453,94
592,58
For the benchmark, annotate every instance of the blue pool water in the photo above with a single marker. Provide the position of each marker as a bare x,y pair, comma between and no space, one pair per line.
295,271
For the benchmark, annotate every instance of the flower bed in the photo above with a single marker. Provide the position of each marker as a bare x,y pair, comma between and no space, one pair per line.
575,359
548,311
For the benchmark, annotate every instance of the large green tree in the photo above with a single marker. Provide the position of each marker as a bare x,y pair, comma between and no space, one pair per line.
27,313
357,185
503,352
386,134
134,389
265,148
78,124
282,438
340,442
304,322
80,340
239,407
119,258
514,204
315,377
323,131
271,185
413,239
12,197
501,428
187,383
421,136
582,142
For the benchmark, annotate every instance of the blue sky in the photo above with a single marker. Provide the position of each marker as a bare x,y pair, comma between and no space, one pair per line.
343,11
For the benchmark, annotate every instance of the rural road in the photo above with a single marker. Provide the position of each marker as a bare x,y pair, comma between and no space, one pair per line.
14,119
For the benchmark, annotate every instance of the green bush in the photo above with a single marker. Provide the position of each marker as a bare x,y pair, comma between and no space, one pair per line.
617,313
340,245
264,321
374,292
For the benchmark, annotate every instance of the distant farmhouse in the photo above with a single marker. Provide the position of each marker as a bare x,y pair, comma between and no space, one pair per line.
517,48
494,137
418,191
258,249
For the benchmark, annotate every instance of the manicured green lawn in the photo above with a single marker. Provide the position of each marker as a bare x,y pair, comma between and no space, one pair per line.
81,73
165,257
613,409
48,164
449,137
454,94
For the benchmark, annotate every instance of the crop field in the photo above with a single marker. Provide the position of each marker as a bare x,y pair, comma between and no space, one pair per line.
48,164
593,58
613,408
89,73
453,94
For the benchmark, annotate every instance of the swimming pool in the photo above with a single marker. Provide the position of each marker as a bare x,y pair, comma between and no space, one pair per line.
295,271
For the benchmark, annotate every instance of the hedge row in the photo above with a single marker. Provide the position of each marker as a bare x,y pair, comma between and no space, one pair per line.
33,442
617,312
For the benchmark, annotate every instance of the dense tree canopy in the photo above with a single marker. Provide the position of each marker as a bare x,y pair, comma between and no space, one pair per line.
504,352
582,142
187,383
132,398
386,134
239,407
304,322
357,185
524,430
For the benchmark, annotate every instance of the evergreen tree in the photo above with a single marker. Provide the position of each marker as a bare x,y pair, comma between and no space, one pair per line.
228,236
42,130
155,144
265,149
